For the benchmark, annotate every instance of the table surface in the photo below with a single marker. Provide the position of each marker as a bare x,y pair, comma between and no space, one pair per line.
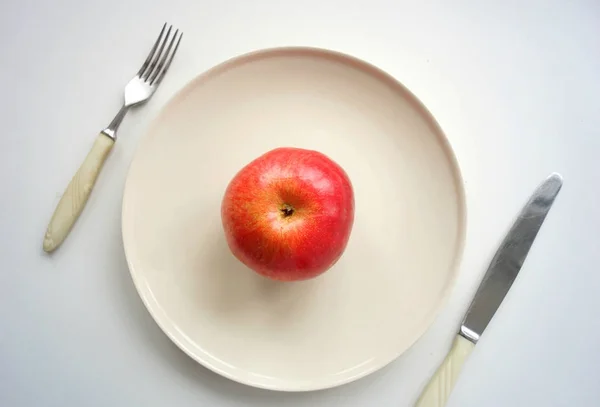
514,84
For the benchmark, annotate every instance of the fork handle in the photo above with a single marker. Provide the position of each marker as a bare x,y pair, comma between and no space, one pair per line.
77,193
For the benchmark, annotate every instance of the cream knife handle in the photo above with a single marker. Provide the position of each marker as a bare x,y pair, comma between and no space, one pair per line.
440,386
77,193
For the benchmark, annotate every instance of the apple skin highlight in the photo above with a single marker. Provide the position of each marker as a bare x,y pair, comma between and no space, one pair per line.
288,214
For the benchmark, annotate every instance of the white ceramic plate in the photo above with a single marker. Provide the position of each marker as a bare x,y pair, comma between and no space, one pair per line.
402,257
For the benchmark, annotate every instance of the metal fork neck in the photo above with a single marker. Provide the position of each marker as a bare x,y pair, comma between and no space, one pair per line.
111,130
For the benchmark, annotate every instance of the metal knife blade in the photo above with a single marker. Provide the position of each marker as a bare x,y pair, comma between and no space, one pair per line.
509,258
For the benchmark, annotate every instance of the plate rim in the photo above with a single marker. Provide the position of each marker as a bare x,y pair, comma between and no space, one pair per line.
459,186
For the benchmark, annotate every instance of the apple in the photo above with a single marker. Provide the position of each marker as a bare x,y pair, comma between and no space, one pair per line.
288,214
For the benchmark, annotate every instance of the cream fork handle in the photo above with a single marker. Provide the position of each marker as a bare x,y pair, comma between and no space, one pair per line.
440,386
77,193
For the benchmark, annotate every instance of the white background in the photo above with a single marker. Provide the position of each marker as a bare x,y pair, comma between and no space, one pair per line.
515,84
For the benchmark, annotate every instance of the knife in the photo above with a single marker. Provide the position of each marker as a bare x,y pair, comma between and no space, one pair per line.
496,282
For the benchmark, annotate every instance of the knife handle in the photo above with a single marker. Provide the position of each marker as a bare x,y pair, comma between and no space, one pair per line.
77,193
440,386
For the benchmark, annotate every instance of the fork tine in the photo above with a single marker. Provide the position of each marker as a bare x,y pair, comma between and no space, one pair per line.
160,77
163,58
157,55
149,58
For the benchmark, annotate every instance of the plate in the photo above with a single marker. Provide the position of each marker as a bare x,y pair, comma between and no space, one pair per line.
401,260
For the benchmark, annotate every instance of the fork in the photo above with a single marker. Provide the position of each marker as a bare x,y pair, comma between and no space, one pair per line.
139,89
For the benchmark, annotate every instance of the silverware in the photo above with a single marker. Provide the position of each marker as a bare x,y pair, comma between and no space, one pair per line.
139,89
495,284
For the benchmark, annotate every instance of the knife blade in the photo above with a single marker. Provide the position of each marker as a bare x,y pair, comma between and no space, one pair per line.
498,279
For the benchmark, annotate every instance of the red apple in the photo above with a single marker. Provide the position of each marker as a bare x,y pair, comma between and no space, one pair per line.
288,214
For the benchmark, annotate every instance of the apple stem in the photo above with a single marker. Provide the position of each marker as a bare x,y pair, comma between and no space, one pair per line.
287,210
